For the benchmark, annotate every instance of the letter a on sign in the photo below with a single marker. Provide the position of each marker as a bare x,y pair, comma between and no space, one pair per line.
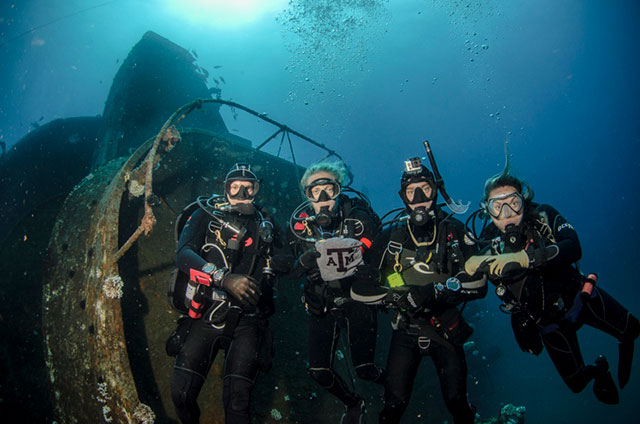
339,257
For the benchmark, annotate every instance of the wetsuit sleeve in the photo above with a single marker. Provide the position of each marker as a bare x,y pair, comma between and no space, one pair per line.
565,250
191,241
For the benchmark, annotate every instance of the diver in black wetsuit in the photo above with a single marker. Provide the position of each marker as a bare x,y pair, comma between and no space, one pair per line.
328,234
531,258
422,256
226,248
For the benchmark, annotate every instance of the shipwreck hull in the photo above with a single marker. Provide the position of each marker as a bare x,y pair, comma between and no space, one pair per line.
106,354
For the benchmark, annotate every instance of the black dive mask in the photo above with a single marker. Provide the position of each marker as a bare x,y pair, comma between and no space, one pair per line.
324,197
420,216
513,237
242,194
419,197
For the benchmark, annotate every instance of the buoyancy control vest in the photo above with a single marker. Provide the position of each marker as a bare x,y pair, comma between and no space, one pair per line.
241,244
435,258
355,219
432,261
544,293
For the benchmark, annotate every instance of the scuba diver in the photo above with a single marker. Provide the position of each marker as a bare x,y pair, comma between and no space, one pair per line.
329,233
531,257
421,257
225,252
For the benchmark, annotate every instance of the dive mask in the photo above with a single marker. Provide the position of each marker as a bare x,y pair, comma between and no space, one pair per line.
322,190
417,195
242,192
504,206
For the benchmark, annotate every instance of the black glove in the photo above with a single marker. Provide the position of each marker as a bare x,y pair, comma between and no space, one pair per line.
539,257
367,272
282,263
415,297
243,288
309,259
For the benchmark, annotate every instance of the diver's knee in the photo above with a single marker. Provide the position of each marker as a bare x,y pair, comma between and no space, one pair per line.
370,372
180,388
323,376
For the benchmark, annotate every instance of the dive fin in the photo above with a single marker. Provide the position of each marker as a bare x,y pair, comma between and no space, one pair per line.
625,351
603,385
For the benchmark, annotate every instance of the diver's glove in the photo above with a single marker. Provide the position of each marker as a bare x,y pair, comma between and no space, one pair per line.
539,257
414,298
477,263
506,262
242,287
282,263
367,272
309,259
497,265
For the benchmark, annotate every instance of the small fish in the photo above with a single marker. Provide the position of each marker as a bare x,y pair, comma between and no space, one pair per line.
41,118
74,67
117,60
216,81
223,81
217,67
194,53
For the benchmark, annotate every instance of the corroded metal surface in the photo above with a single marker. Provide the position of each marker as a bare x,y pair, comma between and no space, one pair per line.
86,349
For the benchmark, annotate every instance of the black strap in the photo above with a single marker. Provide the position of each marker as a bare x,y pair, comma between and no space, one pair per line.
428,331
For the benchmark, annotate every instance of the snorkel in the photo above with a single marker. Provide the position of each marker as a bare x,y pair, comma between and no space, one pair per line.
459,207
415,172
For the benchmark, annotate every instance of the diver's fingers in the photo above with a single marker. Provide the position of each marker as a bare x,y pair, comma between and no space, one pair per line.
252,294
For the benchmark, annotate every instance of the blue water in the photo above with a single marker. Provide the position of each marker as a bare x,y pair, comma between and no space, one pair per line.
558,79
